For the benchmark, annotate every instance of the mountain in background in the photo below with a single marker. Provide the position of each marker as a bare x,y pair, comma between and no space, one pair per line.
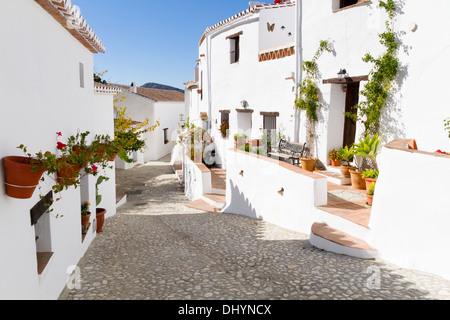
152,85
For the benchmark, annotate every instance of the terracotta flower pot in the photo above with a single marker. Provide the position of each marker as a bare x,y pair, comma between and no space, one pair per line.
85,219
20,180
100,215
357,180
308,163
345,170
369,200
335,163
369,181
68,173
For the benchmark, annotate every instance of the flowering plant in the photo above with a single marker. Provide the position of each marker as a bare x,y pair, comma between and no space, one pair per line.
85,209
334,155
224,126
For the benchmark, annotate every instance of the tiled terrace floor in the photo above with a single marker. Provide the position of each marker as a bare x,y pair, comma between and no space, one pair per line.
352,208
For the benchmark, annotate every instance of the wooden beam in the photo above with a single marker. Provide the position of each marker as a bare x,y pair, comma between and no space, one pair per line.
346,80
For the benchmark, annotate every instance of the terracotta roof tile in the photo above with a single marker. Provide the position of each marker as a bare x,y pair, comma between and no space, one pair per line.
156,94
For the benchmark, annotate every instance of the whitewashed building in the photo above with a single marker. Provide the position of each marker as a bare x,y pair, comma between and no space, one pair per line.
165,107
407,224
47,87
246,74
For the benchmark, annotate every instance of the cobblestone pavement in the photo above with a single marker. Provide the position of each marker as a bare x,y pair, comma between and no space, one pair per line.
155,248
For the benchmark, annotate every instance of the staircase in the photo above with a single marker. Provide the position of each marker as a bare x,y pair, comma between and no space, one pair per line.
342,225
212,202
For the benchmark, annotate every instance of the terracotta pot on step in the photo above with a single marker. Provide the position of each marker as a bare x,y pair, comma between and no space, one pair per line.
369,200
308,163
100,215
20,179
345,170
357,180
85,219
369,181
335,163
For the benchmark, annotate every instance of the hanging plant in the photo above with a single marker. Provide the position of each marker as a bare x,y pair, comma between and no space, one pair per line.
308,98
381,77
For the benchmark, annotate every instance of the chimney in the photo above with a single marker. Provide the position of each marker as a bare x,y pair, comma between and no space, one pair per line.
133,88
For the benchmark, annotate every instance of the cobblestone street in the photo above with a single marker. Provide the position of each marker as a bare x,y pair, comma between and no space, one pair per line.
155,248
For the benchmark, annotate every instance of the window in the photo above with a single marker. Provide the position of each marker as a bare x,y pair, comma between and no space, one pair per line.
166,141
81,67
346,3
234,46
341,4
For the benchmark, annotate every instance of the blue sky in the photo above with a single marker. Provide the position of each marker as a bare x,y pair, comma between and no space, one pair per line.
153,41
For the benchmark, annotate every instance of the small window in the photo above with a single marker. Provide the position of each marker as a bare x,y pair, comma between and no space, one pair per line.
346,3
81,75
234,50
234,46
166,141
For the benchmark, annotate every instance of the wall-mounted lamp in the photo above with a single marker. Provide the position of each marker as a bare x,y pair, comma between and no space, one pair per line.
244,104
342,74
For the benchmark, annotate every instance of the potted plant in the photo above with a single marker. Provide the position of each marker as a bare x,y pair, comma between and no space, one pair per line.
239,139
367,147
100,212
224,126
22,175
346,154
334,157
370,193
85,213
370,176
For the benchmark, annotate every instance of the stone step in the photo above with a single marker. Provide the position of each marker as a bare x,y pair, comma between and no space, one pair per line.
121,199
202,205
215,199
335,176
333,240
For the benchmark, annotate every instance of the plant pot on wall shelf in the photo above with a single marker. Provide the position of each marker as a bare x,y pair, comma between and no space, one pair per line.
358,182
308,163
369,200
85,219
100,215
21,177
369,181
68,173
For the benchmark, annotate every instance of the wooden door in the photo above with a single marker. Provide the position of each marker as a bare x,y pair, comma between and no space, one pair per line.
352,99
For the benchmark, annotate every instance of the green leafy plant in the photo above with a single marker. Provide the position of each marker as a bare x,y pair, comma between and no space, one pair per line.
371,189
334,155
381,77
346,153
239,135
370,173
369,147
308,97
98,197
224,126
85,209
447,126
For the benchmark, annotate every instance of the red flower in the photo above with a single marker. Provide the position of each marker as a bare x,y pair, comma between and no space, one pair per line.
94,168
61,146
277,1
59,134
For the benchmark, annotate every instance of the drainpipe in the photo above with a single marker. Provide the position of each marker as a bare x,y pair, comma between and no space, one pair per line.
298,63
208,73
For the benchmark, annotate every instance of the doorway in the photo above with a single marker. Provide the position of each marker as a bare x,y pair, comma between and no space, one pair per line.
351,99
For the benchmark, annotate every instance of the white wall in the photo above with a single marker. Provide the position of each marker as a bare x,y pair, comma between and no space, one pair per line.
414,112
41,96
410,216
167,113
262,84
255,192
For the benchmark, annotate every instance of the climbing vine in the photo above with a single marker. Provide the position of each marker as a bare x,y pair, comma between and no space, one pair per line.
381,77
308,98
